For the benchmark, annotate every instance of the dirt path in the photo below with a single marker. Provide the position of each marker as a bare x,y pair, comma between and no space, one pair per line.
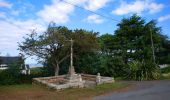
145,90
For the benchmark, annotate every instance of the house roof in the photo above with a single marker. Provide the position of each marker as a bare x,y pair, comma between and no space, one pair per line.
9,60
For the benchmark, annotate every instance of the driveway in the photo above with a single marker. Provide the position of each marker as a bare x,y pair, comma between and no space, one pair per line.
145,90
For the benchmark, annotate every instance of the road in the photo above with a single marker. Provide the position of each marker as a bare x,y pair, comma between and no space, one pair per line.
145,90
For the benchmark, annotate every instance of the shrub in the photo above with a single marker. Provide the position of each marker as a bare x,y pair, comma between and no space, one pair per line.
112,66
145,70
11,75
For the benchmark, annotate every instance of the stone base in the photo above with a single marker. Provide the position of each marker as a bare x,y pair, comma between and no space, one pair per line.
74,78
71,81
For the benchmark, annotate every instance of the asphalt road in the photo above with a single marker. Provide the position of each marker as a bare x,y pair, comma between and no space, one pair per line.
146,90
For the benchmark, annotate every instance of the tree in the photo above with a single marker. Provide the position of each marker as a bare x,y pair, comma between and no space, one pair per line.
111,64
53,46
134,37
164,55
106,43
86,48
88,63
137,40
85,51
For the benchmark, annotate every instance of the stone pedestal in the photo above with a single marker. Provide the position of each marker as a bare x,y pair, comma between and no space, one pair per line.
75,80
71,70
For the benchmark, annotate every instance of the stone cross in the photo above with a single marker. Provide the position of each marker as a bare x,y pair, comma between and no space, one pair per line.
71,69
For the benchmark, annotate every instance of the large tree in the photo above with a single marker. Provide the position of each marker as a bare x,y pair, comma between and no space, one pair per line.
53,46
111,65
135,40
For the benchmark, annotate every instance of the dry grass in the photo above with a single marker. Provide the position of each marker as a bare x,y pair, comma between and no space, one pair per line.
34,92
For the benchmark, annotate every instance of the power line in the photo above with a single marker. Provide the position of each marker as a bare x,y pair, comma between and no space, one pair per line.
89,11
107,17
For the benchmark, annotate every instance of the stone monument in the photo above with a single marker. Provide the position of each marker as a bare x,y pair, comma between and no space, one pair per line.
72,79
72,76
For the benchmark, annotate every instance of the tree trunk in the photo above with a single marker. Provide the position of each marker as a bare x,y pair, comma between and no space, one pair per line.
57,70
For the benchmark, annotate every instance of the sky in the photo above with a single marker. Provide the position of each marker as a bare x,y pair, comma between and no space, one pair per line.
20,17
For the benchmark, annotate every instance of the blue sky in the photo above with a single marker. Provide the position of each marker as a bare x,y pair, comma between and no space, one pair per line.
19,17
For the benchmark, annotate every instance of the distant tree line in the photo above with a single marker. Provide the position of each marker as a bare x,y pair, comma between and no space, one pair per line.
134,51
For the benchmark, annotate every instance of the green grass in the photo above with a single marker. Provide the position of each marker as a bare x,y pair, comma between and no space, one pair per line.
165,73
34,92
165,76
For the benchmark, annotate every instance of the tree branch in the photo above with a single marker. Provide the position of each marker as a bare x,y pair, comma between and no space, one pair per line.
63,59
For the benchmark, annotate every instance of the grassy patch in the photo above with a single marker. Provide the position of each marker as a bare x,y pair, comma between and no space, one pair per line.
165,76
165,73
34,92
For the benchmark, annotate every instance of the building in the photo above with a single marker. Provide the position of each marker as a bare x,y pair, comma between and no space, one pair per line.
6,61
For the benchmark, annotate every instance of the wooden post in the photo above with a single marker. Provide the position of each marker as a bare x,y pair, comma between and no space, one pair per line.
152,45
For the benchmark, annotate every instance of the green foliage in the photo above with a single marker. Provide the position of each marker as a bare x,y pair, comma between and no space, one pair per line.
53,46
112,66
106,42
84,41
128,53
129,50
133,38
144,70
87,63
11,75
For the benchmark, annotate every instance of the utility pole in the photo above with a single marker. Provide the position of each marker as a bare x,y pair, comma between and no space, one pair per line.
153,52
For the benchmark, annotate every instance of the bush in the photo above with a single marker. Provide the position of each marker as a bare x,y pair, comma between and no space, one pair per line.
11,75
145,70
112,66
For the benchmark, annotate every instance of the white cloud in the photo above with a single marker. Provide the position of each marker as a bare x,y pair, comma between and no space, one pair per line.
94,19
58,11
5,4
94,5
138,6
163,18
12,31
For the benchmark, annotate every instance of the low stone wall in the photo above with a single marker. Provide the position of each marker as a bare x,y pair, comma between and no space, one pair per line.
77,80
97,78
58,82
107,80
88,77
